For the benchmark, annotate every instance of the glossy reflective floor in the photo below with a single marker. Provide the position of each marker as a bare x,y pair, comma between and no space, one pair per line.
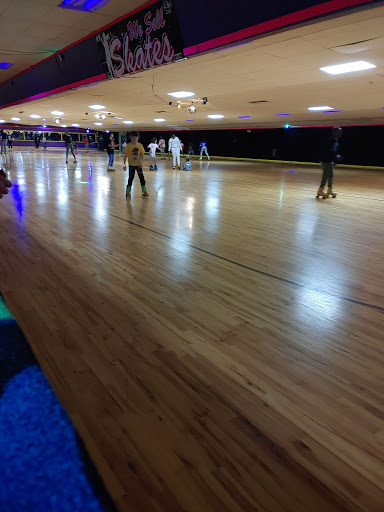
219,345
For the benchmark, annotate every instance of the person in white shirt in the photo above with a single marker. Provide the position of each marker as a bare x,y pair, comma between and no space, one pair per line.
174,146
162,147
152,153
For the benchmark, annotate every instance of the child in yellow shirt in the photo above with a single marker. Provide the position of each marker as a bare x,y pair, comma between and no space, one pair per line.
134,152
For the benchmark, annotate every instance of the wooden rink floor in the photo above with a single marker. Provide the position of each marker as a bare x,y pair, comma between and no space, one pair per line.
220,345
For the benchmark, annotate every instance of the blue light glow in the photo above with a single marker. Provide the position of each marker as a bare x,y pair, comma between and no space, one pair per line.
83,5
331,111
287,126
5,65
283,114
243,117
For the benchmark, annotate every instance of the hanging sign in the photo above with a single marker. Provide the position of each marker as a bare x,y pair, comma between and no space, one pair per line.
147,39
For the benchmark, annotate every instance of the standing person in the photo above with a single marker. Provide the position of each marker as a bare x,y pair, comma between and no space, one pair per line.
174,146
86,143
4,138
162,148
190,150
90,141
101,143
37,141
134,152
329,157
111,153
152,153
203,149
182,148
10,141
44,141
68,146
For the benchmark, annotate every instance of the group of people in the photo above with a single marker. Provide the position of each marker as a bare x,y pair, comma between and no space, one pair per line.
6,139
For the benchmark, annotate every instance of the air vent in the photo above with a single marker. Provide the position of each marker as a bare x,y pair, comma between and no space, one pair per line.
160,111
258,101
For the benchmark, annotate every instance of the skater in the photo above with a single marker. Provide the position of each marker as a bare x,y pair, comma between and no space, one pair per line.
134,152
90,142
329,158
101,143
86,143
68,146
4,138
174,147
162,148
152,153
44,141
182,148
187,166
190,150
37,142
203,149
111,153
10,141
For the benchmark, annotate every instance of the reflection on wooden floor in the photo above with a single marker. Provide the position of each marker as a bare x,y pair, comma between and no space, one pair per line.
218,345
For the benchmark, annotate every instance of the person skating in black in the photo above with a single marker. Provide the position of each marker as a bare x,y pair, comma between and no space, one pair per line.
68,146
329,157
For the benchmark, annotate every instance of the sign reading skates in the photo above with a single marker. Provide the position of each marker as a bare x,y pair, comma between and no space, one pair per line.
148,38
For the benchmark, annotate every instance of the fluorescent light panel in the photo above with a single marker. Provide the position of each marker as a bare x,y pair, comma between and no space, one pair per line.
159,120
215,116
97,107
349,67
57,113
181,94
324,107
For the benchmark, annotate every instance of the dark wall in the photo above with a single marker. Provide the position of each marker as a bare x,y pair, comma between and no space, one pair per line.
360,145
202,20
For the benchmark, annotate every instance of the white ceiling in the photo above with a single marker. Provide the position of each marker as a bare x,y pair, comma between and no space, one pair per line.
31,30
281,68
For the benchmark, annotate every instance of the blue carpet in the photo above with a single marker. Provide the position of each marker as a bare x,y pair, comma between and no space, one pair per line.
44,465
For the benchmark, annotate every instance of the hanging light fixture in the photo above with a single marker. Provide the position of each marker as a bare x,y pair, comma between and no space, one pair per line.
191,109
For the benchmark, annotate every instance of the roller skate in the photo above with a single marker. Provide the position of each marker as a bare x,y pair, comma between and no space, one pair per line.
128,193
331,193
321,193
151,167
144,192
155,169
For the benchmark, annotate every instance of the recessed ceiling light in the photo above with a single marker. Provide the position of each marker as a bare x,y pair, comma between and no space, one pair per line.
181,94
118,117
338,69
15,118
215,116
159,120
75,125
128,122
57,113
63,125
35,116
243,117
2,120
96,107
44,125
98,124
324,107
